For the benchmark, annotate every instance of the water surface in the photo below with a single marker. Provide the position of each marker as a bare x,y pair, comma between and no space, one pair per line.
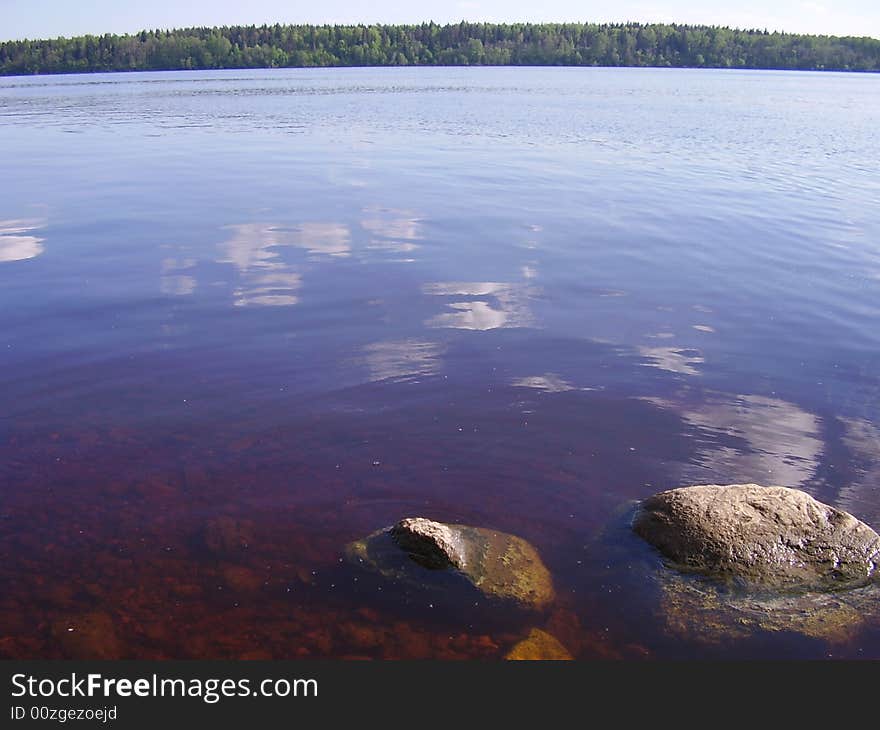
250,316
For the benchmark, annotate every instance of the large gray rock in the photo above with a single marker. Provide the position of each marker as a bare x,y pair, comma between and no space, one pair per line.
500,566
763,537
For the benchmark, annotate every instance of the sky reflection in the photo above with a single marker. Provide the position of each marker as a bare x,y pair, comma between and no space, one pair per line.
173,281
322,239
392,230
674,359
266,280
860,496
490,305
394,360
548,383
751,438
390,223
17,242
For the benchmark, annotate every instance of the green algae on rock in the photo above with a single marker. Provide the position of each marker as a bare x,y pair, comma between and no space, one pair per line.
501,566
704,613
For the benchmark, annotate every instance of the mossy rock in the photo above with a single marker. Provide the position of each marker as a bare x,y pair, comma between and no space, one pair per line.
704,612
424,553
733,561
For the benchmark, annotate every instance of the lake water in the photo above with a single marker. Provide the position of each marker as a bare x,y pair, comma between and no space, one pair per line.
251,316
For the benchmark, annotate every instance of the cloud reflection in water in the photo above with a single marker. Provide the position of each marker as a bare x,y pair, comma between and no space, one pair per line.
548,383
860,495
674,359
266,280
324,239
392,230
781,443
16,241
173,281
401,359
490,305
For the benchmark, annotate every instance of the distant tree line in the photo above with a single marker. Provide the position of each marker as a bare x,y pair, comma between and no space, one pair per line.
429,44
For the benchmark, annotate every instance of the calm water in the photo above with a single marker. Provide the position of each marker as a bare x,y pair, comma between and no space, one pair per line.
250,316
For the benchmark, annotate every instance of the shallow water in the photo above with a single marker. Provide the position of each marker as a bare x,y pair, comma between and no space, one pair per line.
312,302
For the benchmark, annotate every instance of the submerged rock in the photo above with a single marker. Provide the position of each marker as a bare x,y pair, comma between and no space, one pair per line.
698,611
539,646
769,538
501,566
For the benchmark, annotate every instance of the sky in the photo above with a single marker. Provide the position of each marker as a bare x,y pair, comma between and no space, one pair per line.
52,18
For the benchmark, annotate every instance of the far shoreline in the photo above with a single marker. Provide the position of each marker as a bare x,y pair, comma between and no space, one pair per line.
124,72
577,45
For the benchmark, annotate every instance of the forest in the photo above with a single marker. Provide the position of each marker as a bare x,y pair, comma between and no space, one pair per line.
430,44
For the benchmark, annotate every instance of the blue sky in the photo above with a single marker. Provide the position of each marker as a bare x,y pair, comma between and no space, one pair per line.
51,18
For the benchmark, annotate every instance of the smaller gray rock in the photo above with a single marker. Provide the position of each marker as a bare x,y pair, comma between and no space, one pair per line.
429,543
500,566
768,537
